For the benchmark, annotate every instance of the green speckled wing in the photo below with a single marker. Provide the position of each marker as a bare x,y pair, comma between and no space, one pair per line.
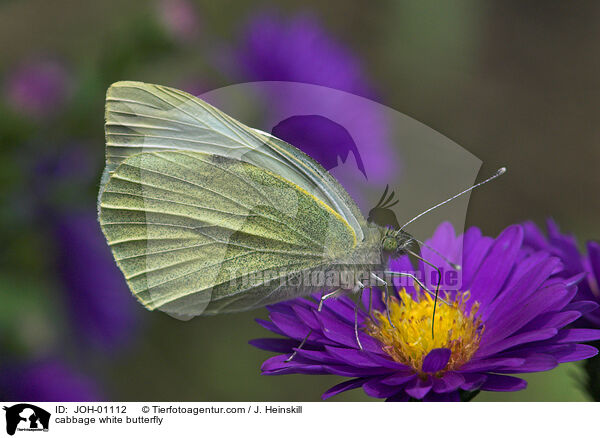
197,233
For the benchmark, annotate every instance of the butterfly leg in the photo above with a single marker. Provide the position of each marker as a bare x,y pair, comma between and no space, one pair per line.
437,286
416,280
356,318
387,297
328,295
323,298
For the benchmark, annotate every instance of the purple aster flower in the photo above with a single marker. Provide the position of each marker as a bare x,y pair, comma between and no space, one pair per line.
299,49
38,88
100,303
574,262
46,381
509,317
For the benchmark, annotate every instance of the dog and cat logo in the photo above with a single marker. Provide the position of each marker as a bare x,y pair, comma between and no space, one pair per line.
26,417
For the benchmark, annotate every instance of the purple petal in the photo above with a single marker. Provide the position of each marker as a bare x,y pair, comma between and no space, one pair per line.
277,365
307,317
577,335
384,361
534,237
436,360
344,334
374,294
575,279
342,387
491,364
513,319
566,247
582,306
445,242
284,307
273,344
449,382
496,382
544,347
527,263
343,308
313,356
398,378
534,363
476,248
473,381
593,249
520,292
289,325
403,264
497,265
269,326
523,338
362,358
578,352
350,371
374,388
419,388
551,319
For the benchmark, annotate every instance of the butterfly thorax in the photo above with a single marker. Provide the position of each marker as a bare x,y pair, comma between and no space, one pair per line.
373,251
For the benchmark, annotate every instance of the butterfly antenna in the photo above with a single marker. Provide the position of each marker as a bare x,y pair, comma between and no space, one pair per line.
498,173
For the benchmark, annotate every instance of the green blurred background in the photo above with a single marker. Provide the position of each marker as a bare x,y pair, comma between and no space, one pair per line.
513,82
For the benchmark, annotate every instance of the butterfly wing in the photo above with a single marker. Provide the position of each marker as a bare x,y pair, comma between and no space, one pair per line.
143,117
201,233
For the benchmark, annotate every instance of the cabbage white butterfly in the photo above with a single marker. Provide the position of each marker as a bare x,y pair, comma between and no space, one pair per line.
205,215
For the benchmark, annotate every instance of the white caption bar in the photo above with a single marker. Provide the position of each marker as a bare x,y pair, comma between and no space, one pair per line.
151,419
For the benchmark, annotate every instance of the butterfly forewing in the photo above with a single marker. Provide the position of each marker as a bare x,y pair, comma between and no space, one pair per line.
144,118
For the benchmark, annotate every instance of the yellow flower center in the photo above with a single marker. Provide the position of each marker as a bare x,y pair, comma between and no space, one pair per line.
410,340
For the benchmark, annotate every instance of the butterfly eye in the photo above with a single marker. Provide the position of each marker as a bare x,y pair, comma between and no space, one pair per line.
389,244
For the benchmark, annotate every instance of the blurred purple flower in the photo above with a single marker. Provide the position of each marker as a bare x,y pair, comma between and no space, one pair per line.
511,321
180,19
100,303
565,247
38,88
299,49
46,381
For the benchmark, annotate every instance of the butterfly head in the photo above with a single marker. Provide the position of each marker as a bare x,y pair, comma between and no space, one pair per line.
395,242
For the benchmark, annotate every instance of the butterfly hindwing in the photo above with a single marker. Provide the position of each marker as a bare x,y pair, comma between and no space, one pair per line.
201,233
